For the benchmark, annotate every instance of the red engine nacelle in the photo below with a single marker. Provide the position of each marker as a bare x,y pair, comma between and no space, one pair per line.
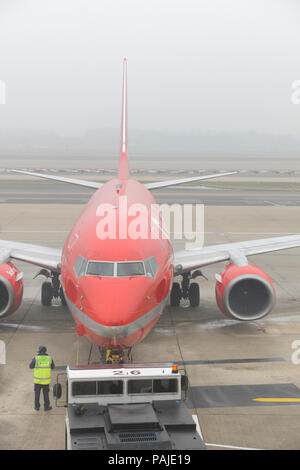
11,289
244,292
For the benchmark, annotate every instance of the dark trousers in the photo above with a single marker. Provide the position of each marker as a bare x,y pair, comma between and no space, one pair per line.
37,392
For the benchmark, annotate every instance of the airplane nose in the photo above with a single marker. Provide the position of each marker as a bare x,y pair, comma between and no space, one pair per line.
115,301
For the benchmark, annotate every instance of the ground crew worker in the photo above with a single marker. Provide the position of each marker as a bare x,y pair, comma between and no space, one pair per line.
42,365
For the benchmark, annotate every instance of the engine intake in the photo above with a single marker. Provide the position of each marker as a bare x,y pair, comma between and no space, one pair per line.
11,289
245,292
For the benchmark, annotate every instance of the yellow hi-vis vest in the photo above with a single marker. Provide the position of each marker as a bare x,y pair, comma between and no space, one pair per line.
42,370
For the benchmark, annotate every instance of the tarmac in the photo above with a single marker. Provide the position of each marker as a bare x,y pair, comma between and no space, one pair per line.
229,364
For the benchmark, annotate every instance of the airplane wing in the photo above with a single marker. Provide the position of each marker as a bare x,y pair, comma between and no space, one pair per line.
42,256
87,184
236,253
164,184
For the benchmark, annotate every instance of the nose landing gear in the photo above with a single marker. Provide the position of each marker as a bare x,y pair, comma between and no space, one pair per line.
112,356
123,356
187,290
51,289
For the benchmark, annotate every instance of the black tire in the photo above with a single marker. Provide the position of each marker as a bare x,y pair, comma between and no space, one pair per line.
57,391
47,294
175,295
62,297
66,438
194,294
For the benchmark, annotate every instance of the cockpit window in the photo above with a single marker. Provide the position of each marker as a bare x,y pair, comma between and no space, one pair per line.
80,266
151,267
83,267
135,268
100,268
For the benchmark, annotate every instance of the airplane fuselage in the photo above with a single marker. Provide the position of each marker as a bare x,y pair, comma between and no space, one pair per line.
111,304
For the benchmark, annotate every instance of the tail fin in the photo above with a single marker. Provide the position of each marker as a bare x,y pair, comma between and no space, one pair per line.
123,163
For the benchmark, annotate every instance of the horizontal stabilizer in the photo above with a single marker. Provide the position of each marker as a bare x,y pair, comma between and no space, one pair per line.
87,184
164,184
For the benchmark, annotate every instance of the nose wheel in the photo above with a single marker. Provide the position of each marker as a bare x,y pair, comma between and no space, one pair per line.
186,290
51,289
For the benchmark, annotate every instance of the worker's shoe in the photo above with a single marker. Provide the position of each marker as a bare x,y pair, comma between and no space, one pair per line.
37,408
48,408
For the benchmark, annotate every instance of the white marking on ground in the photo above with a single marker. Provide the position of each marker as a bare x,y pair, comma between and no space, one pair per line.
231,447
225,322
198,428
24,327
272,203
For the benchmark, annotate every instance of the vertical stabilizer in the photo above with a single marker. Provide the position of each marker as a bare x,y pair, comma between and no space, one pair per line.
123,164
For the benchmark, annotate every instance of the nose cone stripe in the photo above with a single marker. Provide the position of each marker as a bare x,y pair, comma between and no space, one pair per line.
121,331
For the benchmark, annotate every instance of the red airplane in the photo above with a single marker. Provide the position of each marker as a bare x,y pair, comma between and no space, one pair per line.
117,288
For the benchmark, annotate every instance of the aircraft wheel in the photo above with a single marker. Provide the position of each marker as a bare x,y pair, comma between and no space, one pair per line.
47,294
66,438
194,294
62,297
175,295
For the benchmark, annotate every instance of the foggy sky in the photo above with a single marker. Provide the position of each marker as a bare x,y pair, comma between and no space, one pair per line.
193,65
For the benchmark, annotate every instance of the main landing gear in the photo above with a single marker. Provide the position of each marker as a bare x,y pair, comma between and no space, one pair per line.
51,289
186,290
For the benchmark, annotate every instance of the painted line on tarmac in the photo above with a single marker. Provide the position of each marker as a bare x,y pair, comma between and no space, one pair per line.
277,400
208,233
231,447
232,361
241,395
36,231
227,323
272,203
198,428
252,233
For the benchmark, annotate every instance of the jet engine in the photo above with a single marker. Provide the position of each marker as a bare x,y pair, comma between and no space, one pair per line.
244,292
11,289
